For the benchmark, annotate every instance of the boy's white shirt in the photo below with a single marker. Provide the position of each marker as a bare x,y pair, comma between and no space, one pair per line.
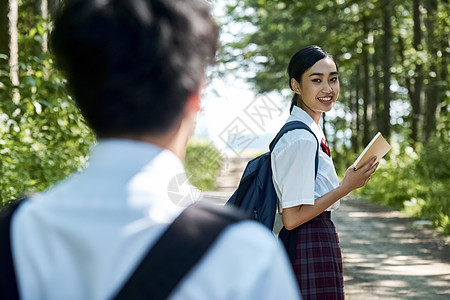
83,238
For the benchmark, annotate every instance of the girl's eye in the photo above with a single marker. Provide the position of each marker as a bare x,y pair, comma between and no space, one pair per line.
334,79
316,80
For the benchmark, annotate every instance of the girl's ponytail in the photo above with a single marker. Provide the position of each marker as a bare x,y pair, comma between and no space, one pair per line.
294,101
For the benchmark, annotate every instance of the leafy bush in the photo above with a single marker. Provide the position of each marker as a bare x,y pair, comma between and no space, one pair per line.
416,181
202,164
42,138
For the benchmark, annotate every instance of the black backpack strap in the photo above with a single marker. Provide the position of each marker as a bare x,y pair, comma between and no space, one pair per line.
8,281
291,126
182,246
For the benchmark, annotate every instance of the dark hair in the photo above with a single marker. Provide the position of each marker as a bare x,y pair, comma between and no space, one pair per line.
300,63
131,64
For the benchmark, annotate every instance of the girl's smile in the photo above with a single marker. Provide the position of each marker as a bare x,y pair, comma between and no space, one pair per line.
318,88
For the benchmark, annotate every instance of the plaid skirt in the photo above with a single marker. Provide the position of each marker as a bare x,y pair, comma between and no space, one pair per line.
316,258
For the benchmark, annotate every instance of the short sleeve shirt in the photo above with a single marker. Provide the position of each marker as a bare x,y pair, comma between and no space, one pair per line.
293,165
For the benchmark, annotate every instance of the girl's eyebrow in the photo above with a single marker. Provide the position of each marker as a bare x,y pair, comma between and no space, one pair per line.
321,74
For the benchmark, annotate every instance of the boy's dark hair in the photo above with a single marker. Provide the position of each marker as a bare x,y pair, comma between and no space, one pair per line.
131,64
301,62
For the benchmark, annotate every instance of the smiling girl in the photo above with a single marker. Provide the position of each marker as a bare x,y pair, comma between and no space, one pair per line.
307,200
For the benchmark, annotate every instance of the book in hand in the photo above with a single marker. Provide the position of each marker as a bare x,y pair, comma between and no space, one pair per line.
377,147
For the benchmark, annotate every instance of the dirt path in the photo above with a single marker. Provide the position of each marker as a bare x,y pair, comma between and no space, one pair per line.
385,257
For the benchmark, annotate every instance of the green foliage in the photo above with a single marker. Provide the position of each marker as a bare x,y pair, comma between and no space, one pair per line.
42,138
343,157
202,165
353,32
416,181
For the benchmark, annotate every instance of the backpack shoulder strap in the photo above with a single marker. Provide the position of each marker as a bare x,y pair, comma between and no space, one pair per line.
8,282
291,126
182,245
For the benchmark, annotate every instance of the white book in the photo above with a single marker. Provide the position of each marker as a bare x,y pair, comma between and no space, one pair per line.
377,147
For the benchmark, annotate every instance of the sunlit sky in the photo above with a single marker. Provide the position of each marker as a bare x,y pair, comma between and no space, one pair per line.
231,107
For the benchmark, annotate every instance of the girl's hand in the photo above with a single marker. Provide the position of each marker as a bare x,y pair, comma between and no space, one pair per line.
354,179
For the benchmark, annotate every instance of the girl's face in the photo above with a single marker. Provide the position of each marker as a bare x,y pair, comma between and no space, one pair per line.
319,88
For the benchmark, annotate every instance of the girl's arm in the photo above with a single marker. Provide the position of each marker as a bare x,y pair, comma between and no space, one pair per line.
353,179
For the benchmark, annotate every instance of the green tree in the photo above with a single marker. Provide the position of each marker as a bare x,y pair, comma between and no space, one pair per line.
379,41
417,95
42,137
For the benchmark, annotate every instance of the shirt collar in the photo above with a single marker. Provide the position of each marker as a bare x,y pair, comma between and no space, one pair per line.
149,172
299,114
121,150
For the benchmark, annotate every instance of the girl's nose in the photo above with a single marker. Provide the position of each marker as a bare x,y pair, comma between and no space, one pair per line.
327,87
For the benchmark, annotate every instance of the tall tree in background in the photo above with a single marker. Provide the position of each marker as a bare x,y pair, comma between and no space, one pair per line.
417,95
362,36
367,97
432,96
387,26
355,110
42,9
377,84
13,16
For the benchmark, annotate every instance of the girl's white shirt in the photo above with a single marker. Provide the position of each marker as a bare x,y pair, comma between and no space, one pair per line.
293,165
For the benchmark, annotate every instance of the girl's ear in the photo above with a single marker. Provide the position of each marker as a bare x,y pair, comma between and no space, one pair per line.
295,86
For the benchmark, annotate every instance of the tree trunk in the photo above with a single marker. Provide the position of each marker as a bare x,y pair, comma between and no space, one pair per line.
443,98
376,87
432,99
409,83
417,95
14,49
367,106
387,63
355,114
44,14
